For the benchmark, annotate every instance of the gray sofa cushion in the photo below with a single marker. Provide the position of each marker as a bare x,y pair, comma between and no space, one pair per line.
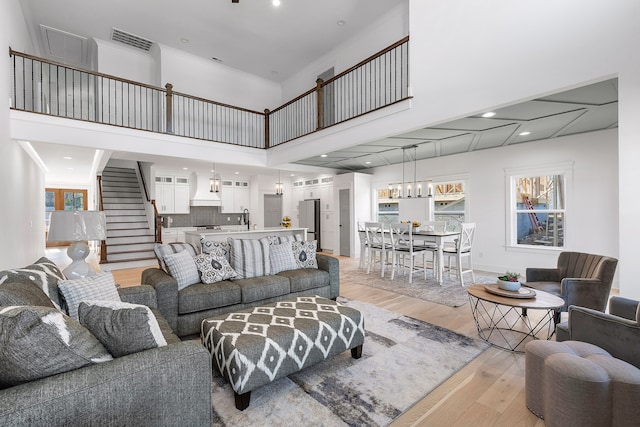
259,288
23,293
306,278
43,273
203,296
37,342
121,327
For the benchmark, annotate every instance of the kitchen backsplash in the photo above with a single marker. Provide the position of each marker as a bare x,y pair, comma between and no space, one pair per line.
202,215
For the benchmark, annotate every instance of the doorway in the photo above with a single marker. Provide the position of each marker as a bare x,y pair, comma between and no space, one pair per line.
272,210
62,199
345,222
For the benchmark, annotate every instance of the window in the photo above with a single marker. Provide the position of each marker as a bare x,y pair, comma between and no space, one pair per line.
387,207
537,206
449,203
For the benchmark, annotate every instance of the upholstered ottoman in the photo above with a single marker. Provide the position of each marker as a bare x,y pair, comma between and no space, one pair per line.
576,383
253,347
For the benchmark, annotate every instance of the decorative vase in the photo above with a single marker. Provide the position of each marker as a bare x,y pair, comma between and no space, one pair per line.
508,286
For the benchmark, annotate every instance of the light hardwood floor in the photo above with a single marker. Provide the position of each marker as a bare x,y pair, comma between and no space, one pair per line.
489,391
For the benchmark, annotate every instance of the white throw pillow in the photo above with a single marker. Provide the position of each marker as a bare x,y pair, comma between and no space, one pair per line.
282,258
182,266
249,257
102,286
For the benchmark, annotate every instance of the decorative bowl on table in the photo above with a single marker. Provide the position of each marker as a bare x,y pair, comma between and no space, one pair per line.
509,282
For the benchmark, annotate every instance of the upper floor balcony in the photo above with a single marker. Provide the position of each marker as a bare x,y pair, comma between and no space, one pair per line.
50,88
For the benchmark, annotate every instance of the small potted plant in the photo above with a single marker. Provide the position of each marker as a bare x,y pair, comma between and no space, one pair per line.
509,281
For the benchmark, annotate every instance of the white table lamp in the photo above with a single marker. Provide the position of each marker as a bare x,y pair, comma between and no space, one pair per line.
77,227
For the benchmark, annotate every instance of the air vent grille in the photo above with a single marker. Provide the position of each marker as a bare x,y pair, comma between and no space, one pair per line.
131,40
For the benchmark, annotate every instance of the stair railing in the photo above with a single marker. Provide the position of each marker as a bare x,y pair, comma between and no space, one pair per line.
103,243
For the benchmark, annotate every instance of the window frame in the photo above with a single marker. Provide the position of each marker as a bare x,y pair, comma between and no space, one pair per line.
564,169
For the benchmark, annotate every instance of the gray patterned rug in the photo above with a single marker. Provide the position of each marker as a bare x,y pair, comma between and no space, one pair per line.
403,360
450,293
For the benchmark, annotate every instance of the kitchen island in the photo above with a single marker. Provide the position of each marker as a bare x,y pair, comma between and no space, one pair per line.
194,237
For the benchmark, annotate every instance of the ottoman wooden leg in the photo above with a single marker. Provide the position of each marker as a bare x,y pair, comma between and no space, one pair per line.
242,400
356,352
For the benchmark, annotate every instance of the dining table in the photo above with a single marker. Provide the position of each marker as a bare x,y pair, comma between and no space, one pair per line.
439,238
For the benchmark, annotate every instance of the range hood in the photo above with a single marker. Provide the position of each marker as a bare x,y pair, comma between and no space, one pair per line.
202,196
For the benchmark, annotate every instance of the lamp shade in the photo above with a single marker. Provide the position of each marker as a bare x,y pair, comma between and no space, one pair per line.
72,226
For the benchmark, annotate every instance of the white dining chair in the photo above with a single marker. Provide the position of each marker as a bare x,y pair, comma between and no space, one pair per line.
462,249
428,246
379,244
402,246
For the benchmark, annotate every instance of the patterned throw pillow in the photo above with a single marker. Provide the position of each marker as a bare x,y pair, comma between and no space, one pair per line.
281,258
276,240
182,267
43,273
38,342
208,247
121,327
98,287
162,251
305,253
214,267
23,293
250,257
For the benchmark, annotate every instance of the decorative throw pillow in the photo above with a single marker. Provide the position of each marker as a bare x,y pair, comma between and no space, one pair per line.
305,253
99,287
183,268
276,240
208,247
121,327
38,342
162,251
281,258
23,293
250,257
214,267
43,273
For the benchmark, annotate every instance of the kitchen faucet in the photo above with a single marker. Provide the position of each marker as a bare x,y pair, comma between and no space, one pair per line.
245,218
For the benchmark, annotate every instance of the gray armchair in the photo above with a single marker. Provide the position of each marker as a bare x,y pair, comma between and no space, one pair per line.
617,332
579,279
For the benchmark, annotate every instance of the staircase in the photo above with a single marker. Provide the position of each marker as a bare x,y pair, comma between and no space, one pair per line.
129,236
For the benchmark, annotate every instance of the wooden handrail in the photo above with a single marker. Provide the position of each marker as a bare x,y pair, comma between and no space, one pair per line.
83,70
157,222
220,104
144,183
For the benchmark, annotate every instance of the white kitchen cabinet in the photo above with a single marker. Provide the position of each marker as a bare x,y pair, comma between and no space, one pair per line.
235,196
327,230
326,198
172,194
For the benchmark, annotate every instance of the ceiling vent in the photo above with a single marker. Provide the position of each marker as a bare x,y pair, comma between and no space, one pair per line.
131,40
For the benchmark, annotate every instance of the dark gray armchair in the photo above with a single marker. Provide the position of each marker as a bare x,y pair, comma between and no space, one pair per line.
617,332
579,279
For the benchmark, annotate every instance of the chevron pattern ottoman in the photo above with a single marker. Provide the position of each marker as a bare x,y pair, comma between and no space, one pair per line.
255,346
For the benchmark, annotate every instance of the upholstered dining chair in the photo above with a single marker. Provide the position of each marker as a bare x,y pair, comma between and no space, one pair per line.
580,279
462,249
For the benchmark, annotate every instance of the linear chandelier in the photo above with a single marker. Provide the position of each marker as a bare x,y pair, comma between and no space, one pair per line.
409,189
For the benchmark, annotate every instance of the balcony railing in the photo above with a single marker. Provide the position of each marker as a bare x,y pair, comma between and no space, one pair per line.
51,88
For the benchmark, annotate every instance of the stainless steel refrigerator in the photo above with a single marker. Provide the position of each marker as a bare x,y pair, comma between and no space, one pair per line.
309,217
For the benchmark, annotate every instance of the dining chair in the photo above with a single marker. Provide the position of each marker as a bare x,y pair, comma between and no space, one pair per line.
402,246
462,249
378,245
364,246
429,246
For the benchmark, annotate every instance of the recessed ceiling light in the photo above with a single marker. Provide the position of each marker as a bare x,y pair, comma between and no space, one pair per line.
185,169
293,174
276,3
340,23
524,133
323,155
184,40
237,173
489,114
68,158
69,169
367,163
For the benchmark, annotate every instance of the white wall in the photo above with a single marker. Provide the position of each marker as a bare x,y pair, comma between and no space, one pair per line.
207,79
592,198
126,62
21,218
378,35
